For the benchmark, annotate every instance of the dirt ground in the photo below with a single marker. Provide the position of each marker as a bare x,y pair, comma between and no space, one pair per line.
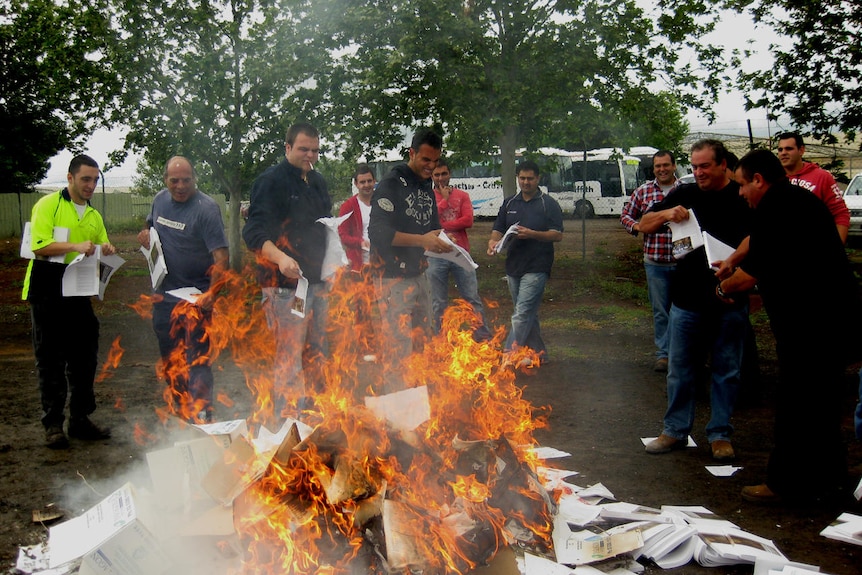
599,387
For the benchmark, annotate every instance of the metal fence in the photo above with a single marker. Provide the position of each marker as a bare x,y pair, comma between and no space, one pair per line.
116,209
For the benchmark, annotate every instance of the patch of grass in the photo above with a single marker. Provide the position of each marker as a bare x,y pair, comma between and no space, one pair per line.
133,272
125,226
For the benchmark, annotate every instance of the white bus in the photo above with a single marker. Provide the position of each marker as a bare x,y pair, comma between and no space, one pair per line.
601,185
610,177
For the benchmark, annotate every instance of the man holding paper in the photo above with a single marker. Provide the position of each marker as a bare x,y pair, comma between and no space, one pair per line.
290,244
812,340
404,225
456,216
65,329
191,231
535,221
700,324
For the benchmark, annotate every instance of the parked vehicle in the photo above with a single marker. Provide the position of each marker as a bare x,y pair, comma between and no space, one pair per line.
853,199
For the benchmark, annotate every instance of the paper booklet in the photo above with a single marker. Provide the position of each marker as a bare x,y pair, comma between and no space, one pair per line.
155,259
685,235
510,236
716,250
60,235
458,254
335,257
89,275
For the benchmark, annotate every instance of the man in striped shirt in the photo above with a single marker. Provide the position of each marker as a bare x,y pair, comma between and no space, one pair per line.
658,257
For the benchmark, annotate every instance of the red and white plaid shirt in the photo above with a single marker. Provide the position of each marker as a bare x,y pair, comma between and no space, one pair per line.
657,246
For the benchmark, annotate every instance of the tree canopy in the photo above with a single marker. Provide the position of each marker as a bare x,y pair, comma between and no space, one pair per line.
815,80
56,84
504,74
217,82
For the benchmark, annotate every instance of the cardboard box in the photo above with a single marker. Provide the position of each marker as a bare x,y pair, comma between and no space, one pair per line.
115,536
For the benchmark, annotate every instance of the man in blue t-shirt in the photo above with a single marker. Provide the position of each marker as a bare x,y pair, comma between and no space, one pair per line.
538,222
191,230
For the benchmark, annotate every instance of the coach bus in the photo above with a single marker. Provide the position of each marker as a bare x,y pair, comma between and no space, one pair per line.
598,186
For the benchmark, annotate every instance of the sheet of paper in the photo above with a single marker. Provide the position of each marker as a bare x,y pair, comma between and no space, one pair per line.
335,257
548,452
81,277
300,296
458,254
405,410
686,236
108,265
690,442
722,470
190,294
155,259
507,239
716,250
535,565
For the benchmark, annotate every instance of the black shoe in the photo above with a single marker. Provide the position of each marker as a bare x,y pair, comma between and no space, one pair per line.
55,438
85,429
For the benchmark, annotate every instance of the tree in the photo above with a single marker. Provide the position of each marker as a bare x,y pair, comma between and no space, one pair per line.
56,86
815,80
218,82
504,74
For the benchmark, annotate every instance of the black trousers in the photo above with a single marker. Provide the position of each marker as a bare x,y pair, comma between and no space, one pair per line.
66,345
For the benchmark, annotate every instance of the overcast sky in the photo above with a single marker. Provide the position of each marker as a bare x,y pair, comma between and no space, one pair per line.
732,31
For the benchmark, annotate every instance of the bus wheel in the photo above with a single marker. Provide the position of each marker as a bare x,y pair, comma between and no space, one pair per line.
584,209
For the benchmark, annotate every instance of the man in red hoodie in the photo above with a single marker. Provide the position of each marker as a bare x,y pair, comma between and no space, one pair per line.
813,178
456,215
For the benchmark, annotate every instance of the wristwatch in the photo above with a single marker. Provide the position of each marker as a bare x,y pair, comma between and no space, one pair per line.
720,292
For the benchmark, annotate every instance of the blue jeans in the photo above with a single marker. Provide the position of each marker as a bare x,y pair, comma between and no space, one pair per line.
194,386
299,341
692,336
527,292
405,308
468,286
658,278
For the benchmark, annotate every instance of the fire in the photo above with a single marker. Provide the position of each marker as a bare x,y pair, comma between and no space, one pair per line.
115,354
361,494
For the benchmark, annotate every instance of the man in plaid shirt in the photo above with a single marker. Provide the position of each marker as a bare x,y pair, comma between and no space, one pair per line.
658,257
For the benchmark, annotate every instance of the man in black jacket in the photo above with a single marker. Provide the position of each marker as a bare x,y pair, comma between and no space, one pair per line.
282,230
811,296
403,225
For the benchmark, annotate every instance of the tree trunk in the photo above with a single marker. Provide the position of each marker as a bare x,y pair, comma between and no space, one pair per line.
508,141
236,221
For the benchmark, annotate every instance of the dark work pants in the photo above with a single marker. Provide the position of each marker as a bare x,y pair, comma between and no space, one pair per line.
66,345
809,458
189,374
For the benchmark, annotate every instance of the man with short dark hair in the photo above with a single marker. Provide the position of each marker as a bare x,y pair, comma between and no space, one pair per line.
282,229
810,176
456,216
404,224
191,231
538,222
65,329
812,343
354,230
700,324
659,262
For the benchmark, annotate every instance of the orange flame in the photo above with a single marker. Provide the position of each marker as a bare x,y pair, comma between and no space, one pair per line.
451,492
115,354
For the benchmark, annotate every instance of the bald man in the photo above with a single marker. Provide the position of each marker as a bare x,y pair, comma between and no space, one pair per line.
191,230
